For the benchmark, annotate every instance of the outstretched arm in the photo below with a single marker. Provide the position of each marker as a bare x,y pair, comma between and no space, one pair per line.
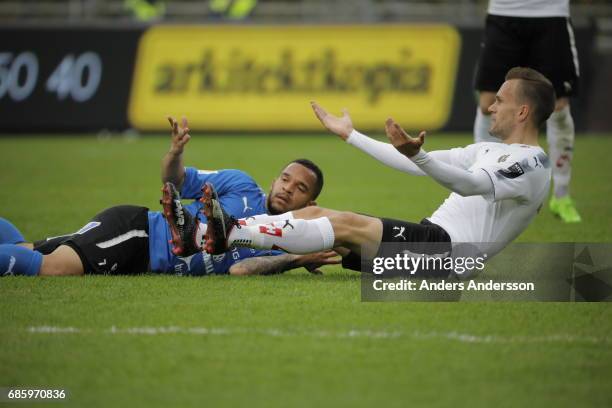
456,179
383,152
270,265
172,168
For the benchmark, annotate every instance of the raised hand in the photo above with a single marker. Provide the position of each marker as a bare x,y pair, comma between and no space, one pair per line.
180,135
342,126
402,141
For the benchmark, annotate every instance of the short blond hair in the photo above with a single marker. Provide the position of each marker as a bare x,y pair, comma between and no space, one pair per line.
536,90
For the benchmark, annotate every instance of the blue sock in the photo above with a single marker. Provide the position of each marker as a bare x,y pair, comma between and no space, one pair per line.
18,260
9,234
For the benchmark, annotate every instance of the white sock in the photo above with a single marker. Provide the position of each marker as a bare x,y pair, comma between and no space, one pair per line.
295,236
265,218
560,138
482,124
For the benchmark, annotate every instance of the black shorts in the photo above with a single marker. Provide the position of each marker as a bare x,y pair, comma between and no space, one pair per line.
114,242
423,238
545,44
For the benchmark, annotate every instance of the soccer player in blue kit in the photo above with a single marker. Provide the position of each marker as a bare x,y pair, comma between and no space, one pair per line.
131,239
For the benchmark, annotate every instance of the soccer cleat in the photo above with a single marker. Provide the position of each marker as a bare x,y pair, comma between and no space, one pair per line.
183,225
220,223
564,208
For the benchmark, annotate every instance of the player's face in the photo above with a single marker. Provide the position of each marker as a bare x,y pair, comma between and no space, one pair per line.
293,189
504,110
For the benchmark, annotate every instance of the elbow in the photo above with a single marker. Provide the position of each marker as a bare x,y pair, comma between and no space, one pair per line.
466,190
239,270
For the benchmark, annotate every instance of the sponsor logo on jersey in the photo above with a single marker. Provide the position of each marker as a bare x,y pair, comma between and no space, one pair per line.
9,271
218,258
400,233
245,201
511,172
178,212
209,267
271,230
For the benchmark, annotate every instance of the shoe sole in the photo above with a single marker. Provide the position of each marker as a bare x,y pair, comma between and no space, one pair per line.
173,212
212,210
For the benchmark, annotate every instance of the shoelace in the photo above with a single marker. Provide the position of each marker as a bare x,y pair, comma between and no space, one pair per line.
235,222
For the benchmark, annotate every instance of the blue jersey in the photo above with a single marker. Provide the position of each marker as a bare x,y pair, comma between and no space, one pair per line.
240,197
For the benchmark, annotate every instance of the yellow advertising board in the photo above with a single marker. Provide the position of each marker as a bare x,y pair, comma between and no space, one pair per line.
257,78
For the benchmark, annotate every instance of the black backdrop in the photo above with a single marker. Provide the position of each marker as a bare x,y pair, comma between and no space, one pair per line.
54,105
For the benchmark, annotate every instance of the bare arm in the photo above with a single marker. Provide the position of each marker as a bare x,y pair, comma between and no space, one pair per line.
172,168
270,265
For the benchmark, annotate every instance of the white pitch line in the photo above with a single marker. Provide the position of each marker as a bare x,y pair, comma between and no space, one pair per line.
349,334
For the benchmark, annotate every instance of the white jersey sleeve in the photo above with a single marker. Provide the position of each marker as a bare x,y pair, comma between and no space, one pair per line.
463,157
520,179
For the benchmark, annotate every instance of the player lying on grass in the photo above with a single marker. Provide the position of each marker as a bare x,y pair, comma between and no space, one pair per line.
131,239
497,188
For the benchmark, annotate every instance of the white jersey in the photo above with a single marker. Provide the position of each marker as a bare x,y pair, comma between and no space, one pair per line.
521,180
529,8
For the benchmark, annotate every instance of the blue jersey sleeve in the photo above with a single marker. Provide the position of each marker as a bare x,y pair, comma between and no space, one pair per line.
202,264
223,181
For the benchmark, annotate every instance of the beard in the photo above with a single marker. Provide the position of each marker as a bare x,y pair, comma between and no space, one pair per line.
271,209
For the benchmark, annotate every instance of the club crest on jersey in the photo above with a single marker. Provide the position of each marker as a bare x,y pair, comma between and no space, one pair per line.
271,230
503,158
511,172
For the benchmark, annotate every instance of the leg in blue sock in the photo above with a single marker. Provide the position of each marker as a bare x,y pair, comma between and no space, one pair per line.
9,234
17,260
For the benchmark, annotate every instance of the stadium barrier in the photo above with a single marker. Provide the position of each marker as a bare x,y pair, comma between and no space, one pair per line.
62,79
262,77
246,78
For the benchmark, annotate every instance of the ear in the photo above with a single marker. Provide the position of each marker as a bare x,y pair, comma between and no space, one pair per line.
523,113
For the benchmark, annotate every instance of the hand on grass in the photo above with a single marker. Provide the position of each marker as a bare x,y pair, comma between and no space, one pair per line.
312,262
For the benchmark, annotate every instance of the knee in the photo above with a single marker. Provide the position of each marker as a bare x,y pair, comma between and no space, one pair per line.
561,104
345,218
561,118
312,211
345,224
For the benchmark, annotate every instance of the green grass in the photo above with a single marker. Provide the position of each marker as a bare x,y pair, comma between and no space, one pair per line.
290,340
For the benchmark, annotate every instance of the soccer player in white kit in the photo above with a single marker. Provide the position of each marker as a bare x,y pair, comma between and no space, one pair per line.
497,188
536,34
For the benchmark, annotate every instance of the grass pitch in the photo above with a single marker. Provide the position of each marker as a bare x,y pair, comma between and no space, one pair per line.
290,340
